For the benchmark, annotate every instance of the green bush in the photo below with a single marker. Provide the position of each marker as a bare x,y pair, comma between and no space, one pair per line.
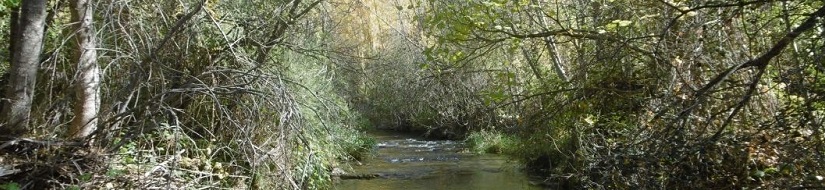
360,148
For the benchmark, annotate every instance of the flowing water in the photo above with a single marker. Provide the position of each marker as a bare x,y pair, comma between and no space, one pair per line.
410,163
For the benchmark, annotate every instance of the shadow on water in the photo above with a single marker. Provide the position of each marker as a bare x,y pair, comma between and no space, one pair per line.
407,162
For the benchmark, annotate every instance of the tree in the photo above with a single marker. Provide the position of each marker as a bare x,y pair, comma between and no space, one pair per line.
26,50
87,89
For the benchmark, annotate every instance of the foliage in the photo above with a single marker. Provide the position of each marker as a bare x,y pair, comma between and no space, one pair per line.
590,94
634,94
10,186
198,94
489,142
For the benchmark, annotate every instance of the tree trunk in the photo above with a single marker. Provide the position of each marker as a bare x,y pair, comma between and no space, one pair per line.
87,88
27,44
550,43
558,62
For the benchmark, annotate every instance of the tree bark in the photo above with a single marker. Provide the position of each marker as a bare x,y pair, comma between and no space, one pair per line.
27,45
550,43
87,88
558,62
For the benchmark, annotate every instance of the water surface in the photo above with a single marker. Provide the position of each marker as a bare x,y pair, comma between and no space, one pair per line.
409,163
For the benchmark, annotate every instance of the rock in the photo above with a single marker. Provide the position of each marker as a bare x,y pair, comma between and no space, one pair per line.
337,172
359,176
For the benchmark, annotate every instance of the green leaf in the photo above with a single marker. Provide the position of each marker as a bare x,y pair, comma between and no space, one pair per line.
11,3
114,172
497,96
10,186
758,174
85,177
424,66
771,170
610,27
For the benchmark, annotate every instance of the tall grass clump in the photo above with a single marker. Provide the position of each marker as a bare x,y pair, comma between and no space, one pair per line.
491,142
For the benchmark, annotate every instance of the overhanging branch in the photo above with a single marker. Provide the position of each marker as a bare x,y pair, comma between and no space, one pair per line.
760,62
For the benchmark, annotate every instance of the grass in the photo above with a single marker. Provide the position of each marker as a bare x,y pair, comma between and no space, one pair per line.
491,142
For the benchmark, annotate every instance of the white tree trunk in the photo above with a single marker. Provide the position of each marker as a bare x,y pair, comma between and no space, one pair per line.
558,62
550,42
87,87
28,43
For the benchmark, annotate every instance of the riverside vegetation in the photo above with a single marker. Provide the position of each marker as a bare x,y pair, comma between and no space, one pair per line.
274,94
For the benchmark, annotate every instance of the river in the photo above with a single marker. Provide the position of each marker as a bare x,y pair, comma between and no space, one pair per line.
402,161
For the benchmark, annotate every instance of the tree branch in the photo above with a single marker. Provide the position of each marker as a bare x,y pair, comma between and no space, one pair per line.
761,62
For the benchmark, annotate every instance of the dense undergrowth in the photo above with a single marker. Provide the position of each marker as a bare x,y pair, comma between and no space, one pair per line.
197,94
617,94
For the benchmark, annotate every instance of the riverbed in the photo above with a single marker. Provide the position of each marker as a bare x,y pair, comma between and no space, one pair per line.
408,162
